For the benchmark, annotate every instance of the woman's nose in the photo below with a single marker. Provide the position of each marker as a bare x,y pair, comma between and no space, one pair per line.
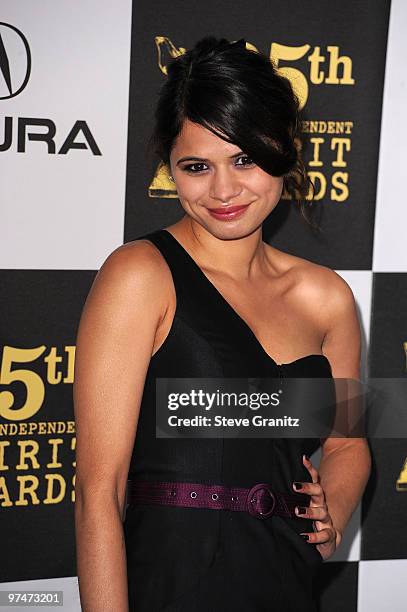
225,186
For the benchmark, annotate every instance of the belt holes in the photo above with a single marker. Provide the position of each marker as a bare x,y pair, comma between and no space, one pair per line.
234,498
173,492
193,494
215,496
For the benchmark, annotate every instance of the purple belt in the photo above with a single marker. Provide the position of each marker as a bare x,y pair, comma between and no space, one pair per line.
260,501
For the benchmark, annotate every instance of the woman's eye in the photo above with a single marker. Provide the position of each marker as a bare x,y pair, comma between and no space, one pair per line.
199,167
192,167
247,161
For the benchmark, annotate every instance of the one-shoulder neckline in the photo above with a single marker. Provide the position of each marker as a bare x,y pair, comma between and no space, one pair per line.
234,312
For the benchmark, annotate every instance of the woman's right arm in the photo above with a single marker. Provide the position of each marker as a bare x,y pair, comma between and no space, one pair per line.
114,345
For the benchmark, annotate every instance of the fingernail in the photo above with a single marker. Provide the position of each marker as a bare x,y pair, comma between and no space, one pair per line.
305,536
306,457
301,510
297,485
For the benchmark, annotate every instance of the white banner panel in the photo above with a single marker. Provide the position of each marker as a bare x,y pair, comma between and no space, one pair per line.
64,85
68,586
382,586
389,252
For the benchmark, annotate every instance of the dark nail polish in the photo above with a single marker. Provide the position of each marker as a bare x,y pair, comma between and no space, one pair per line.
297,485
305,536
301,510
307,458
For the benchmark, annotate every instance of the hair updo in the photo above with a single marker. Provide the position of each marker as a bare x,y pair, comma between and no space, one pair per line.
237,94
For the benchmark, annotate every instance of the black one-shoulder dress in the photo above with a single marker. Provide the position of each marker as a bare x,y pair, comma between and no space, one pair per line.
203,560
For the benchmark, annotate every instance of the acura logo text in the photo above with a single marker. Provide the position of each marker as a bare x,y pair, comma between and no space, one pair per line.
15,61
15,70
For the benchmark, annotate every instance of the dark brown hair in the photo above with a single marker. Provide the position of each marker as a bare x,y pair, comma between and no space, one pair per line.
238,94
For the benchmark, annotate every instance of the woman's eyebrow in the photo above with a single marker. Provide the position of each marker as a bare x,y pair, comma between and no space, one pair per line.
204,159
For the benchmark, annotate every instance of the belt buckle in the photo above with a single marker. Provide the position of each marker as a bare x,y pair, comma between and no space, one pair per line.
253,501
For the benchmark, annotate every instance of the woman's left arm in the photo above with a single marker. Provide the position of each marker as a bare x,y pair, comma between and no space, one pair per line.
344,472
345,462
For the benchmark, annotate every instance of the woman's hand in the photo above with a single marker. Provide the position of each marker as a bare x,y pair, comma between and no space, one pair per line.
325,535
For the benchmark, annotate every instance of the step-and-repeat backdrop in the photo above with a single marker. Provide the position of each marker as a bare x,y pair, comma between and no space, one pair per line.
78,85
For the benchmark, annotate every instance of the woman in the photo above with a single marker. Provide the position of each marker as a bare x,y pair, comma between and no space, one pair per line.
206,297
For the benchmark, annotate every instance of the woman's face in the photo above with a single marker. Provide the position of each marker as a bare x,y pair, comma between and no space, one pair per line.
217,176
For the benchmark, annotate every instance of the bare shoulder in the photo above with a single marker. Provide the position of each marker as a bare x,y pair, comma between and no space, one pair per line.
334,307
134,261
329,299
332,293
134,269
327,285
320,286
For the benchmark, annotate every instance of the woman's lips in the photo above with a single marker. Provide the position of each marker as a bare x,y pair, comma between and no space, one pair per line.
229,212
